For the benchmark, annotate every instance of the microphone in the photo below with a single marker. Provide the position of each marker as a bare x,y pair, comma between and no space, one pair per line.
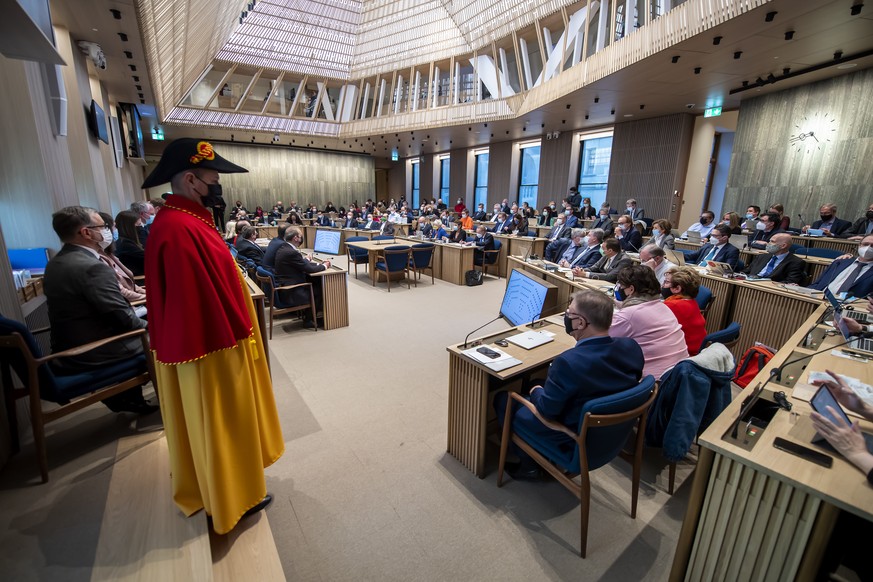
800,216
477,329
534,323
775,374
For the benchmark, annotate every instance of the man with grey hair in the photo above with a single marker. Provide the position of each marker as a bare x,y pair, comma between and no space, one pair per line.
655,258
829,224
636,213
85,304
608,364
588,257
146,213
568,252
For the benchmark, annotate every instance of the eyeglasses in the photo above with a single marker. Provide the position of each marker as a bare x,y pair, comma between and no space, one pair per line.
98,226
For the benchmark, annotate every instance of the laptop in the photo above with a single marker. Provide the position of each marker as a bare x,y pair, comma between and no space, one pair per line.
858,316
815,232
720,269
675,257
750,224
693,236
862,345
739,240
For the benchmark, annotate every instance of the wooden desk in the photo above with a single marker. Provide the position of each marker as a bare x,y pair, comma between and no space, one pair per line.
335,296
511,245
766,514
373,247
469,383
827,242
258,297
450,260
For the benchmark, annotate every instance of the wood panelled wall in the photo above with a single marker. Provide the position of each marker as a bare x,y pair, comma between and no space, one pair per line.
649,161
766,169
426,177
555,162
500,173
277,173
458,178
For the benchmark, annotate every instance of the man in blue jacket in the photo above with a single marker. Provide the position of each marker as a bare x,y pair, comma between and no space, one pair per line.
854,277
598,365
718,249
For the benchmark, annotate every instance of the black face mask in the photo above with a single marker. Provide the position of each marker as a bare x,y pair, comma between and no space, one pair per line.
704,220
213,196
619,294
825,217
568,324
870,215
666,293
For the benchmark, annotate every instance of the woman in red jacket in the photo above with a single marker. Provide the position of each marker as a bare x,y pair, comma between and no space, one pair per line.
680,288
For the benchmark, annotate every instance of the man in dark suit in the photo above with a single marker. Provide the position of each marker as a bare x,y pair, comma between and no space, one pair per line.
386,227
292,268
370,224
269,260
861,227
635,212
502,224
851,276
484,241
85,304
604,222
480,212
829,224
609,365
568,250
247,247
424,227
504,206
629,238
589,257
350,221
779,264
146,213
559,230
607,268
767,226
322,219
574,199
718,249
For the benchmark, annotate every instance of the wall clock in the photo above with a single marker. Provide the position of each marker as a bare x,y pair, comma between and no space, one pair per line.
813,132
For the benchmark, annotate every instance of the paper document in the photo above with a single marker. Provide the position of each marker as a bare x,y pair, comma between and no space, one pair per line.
531,339
502,362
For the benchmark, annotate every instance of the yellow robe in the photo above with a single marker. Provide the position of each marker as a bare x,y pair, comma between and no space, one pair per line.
222,428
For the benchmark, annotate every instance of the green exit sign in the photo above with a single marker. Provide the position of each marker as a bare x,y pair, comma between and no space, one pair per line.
712,112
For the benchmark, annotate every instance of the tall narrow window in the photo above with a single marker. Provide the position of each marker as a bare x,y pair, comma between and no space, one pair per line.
594,168
416,183
444,180
529,181
481,192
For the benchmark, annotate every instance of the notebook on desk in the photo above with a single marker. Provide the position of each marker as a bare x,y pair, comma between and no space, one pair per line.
531,339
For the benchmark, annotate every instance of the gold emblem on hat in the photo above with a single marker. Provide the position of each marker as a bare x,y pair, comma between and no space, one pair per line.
204,152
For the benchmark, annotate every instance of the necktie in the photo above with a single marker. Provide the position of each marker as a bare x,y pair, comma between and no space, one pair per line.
869,226
557,232
710,256
771,264
850,280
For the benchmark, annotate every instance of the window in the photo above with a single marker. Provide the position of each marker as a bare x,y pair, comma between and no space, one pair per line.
444,180
528,183
594,168
481,192
416,183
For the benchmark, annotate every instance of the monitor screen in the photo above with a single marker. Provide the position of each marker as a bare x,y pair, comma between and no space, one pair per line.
523,299
98,122
327,242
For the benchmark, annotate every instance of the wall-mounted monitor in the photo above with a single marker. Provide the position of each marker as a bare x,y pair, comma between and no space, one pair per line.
131,133
97,122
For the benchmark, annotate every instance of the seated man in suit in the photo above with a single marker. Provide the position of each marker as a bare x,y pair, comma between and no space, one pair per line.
484,241
370,223
634,211
779,264
604,222
386,227
607,268
861,227
292,268
627,235
591,251
85,303
558,235
829,223
570,220
766,227
350,220
607,364
146,213
247,247
569,249
269,260
655,258
503,224
480,212
854,277
718,249
424,227
322,219
704,226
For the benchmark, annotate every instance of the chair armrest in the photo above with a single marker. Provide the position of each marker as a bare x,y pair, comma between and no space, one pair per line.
287,287
40,330
135,303
556,426
79,350
139,278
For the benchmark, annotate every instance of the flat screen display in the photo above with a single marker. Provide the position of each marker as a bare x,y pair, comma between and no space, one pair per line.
98,122
523,299
327,242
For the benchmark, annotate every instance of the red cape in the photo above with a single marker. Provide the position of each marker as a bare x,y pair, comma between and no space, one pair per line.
194,297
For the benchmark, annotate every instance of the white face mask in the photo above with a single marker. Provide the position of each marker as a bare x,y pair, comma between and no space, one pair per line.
866,252
107,238
761,226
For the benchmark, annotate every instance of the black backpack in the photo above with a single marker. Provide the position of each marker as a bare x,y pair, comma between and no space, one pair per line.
473,278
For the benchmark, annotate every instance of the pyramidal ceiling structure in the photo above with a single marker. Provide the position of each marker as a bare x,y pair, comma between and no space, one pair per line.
333,39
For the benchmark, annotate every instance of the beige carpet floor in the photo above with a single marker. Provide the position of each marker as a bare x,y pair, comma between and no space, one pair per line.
366,490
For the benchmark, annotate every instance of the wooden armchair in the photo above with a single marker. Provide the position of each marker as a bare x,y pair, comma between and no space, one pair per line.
277,307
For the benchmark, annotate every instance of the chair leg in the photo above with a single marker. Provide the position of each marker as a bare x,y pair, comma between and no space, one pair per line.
388,278
504,441
672,479
585,500
11,415
271,320
38,426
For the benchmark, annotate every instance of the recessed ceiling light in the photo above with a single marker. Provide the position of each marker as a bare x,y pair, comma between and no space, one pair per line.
845,66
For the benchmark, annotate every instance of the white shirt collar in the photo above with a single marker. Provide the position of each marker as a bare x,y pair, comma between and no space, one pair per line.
89,249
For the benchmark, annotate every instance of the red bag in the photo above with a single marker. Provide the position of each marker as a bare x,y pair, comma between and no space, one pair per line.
752,362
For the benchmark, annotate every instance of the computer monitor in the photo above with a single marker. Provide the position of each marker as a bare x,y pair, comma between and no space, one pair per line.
327,242
523,299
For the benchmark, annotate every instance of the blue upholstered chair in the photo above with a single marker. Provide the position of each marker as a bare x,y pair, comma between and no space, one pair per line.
391,260
816,252
704,299
271,289
20,354
604,427
487,259
422,259
728,336
383,237
357,256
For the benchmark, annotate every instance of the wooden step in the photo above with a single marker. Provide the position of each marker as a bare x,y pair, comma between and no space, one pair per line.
143,535
248,552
